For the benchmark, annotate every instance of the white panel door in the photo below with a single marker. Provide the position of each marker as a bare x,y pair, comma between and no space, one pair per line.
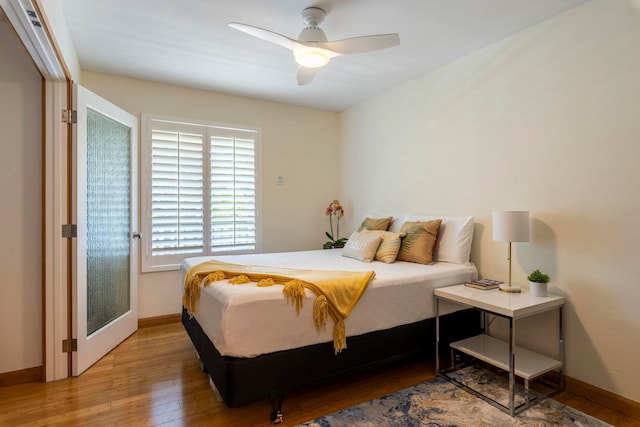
105,291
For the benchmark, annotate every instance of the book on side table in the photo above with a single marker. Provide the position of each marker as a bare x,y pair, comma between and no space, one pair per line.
484,284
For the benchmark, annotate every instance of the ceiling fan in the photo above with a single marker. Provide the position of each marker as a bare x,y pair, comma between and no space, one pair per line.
312,50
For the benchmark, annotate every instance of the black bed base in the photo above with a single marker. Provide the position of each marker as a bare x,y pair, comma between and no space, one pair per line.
240,381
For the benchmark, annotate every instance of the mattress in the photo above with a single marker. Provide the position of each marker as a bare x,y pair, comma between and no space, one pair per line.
247,321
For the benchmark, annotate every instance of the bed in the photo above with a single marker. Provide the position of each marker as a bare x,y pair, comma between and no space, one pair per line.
254,345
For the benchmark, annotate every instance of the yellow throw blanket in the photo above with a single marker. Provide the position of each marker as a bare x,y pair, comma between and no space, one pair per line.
337,292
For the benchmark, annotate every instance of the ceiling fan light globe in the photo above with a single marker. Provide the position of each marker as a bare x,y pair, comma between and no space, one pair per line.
311,57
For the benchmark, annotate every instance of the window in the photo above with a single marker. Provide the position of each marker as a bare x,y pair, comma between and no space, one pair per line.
199,191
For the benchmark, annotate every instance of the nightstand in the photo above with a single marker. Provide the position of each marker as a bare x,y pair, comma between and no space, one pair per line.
505,355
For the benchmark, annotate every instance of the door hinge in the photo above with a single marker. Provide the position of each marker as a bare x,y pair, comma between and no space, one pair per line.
69,345
69,116
69,231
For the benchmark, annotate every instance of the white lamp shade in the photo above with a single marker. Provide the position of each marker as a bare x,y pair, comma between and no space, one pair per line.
511,226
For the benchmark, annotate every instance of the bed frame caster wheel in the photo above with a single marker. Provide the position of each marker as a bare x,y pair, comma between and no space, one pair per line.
277,417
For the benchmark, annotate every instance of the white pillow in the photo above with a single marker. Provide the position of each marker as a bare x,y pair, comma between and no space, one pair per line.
454,237
398,222
362,246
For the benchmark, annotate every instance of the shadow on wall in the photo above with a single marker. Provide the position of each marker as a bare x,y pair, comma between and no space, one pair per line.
541,250
581,354
476,253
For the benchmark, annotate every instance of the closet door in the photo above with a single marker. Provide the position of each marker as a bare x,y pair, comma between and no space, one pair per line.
105,291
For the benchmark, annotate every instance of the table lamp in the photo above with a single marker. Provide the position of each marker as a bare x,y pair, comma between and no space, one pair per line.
510,226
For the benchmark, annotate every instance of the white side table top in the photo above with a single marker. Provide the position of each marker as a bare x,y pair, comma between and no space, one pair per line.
515,305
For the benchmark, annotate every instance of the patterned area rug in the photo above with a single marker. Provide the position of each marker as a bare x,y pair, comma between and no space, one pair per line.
441,403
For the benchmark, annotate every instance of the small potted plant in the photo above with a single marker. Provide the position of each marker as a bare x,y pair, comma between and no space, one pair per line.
538,283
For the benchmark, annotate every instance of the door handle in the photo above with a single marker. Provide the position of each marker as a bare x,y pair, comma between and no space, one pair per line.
136,235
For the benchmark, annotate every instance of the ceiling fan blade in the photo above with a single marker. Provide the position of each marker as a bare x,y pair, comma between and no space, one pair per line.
263,34
362,44
305,75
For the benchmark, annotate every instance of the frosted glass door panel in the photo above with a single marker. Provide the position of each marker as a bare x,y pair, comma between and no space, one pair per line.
108,220
105,207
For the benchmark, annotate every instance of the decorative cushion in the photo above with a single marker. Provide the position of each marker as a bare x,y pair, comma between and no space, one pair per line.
362,246
375,224
417,246
454,237
389,247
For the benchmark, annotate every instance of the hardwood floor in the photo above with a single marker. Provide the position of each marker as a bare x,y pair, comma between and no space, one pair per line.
153,378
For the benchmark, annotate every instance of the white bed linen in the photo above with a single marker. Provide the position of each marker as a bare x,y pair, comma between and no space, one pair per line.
247,321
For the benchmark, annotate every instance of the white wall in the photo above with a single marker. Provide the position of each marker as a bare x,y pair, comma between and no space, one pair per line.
20,212
299,144
52,14
546,121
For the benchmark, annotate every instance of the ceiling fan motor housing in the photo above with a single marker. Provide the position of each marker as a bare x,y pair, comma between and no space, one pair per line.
312,34
312,17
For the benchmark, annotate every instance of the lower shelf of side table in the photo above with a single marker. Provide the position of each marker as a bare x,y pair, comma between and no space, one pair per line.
528,364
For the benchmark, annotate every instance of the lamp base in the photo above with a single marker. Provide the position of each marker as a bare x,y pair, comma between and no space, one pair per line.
511,289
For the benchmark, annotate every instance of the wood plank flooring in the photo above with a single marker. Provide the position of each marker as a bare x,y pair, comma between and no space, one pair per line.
154,379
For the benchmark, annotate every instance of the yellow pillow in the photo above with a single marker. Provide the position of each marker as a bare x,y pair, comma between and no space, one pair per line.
417,246
376,224
389,246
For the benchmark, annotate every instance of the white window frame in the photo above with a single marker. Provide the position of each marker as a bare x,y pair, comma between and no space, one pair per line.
150,263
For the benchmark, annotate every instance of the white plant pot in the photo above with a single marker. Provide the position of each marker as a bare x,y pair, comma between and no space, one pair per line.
537,289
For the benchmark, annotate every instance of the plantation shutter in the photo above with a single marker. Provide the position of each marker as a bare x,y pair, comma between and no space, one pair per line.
199,191
233,190
177,191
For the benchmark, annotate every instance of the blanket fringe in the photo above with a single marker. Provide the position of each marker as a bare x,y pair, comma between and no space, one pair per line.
193,285
266,282
239,280
320,311
339,336
212,277
294,290
191,294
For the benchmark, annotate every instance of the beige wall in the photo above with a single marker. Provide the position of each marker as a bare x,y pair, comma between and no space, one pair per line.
299,144
546,121
20,211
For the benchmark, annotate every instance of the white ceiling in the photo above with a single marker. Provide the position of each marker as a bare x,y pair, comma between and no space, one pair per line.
188,42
